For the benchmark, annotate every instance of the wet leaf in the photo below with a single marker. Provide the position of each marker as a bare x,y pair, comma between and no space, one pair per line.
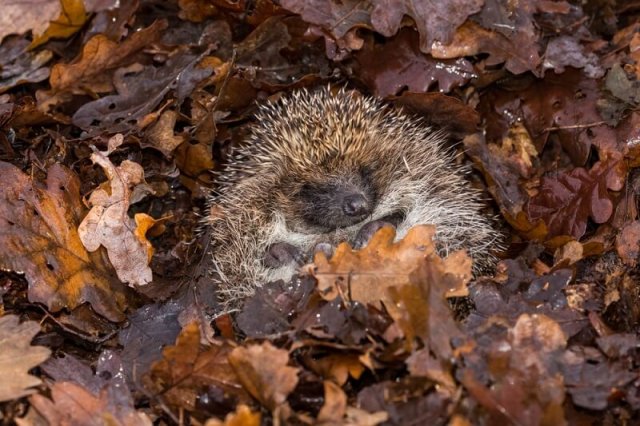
567,200
187,369
39,227
264,373
17,357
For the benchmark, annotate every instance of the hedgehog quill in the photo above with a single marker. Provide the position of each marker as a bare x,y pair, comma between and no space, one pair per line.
320,168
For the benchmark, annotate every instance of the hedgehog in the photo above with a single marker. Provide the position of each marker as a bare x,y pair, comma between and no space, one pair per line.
320,167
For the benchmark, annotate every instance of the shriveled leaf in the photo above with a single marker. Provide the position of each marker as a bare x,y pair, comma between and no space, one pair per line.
365,275
89,72
471,39
264,373
18,65
161,134
140,90
17,357
40,237
567,200
72,404
407,67
243,416
72,17
188,369
628,243
109,225
335,404
20,16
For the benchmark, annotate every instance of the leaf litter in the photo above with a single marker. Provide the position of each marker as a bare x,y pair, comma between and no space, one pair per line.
113,114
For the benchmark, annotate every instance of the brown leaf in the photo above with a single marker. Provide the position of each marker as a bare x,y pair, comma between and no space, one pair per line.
72,18
335,404
405,66
628,243
140,90
74,405
161,134
99,54
39,232
436,21
17,357
565,201
471,39
365,275
263,371
20,16
243,416
109,225
187,369
19,65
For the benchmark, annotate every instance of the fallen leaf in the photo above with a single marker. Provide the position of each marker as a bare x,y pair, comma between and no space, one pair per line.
628,243
335,404
264,373
161,134
89,72
140,89
71,404
243,416
72,17
566,200
20,16
17,357
39,230
109,225
19,65
407,67
188,369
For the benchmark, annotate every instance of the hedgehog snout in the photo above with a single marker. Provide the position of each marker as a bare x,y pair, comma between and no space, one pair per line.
356,205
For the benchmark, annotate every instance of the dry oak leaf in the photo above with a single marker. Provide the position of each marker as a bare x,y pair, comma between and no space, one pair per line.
365,275
72,17
74,405
628,243
161,135
39,238
109,225
17,357
243,416
335,404
88,72
567,200
264,373
187,369
20,16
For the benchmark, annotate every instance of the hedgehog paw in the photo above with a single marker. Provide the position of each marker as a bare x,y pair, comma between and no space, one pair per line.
326,248
281,254
366,232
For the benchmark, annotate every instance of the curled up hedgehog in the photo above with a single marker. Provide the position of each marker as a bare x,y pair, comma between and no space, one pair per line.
321,168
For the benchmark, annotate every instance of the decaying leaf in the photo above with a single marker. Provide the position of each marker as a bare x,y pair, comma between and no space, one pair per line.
98,56
73,405
39,230
108,223
264,373
72,17
567,200
367,274
17,357
188,369
243,416
18,18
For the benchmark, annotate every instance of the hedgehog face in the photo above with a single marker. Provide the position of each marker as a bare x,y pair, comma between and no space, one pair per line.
329,200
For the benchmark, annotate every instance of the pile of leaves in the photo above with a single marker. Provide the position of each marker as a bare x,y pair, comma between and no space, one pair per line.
114,114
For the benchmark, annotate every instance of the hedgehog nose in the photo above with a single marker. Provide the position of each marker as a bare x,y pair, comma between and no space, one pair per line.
355,205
